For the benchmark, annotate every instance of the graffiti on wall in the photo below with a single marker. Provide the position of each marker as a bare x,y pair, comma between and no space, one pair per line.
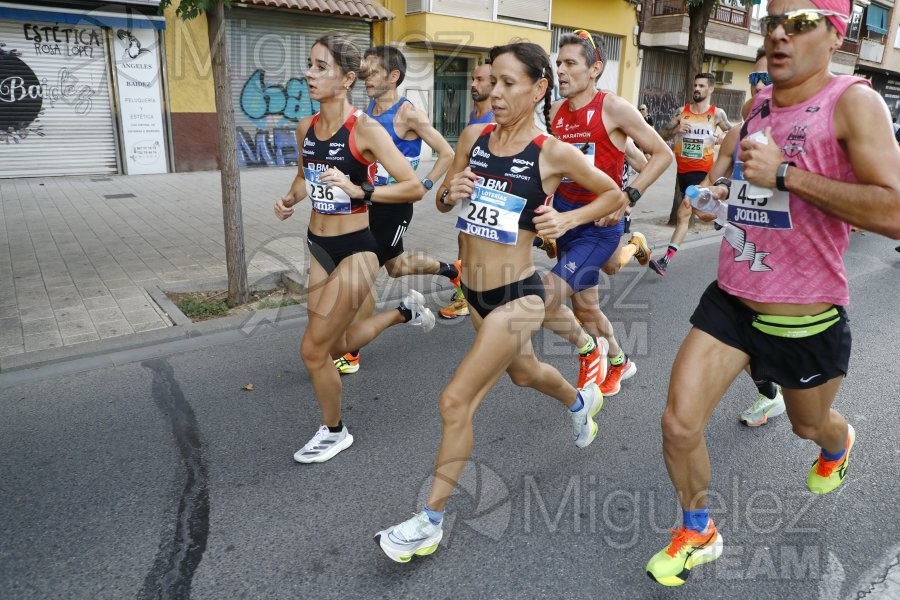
660,105
25,95
274,108
276,147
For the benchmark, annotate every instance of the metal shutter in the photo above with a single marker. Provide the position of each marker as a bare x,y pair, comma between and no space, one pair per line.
268,51
55,114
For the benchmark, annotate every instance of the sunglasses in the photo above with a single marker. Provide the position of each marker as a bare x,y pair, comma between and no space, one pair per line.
798,21
757,76
587,36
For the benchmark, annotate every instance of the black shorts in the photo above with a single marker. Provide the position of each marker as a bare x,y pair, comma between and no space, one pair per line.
486,301
388,223
689,178
330,251
793,363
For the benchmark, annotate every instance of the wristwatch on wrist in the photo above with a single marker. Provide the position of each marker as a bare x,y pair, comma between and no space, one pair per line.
368,189
633,195
428,183
723,181
780,173
444,196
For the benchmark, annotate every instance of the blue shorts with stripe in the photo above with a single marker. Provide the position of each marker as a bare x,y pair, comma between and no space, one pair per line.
584,250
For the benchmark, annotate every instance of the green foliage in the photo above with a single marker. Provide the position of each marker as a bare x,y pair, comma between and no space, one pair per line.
188,9
195,309
269,303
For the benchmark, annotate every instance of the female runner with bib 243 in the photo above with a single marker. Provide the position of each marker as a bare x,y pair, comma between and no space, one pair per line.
502,177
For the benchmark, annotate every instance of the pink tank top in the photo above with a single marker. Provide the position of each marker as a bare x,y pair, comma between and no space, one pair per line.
782,248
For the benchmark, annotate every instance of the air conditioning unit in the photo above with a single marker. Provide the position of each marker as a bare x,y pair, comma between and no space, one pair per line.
724,77
417,6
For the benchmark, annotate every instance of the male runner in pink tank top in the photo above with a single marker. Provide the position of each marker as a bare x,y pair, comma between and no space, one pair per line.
778,304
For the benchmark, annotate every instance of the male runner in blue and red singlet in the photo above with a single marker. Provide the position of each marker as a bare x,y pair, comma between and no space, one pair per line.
599,124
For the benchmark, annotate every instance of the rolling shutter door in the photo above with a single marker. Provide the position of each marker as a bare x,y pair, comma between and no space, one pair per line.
55,113
268,51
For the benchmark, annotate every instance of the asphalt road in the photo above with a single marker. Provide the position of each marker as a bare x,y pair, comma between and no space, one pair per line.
161,477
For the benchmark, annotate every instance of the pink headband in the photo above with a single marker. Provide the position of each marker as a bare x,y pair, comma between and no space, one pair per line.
838,6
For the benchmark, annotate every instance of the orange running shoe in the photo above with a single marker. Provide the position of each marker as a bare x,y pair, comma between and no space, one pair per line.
616,374
348,363
672,565
458,307
548,246
642,254
592,366
827,475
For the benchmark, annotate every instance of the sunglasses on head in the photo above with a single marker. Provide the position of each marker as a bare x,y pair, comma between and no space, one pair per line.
757,76
587,36
798,21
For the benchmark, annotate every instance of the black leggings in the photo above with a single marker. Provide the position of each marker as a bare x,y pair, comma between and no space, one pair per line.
330,251
486,301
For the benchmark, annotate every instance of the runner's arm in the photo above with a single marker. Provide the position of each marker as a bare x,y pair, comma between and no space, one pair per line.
418,122
558,160
862,123
442,200
377,143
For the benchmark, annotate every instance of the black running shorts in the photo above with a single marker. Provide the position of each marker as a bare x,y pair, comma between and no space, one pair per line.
388,223
793,363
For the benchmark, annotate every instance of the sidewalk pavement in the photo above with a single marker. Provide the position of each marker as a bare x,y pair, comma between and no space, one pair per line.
77,253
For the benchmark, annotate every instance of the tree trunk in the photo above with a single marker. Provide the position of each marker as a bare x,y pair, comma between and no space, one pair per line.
238,292
698,14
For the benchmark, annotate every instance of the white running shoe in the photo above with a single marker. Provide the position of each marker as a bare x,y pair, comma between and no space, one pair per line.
324,445
421,315
415,536
759,412
583,424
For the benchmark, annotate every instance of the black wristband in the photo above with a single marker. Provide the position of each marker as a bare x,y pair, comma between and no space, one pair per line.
723,181
780,174
444,194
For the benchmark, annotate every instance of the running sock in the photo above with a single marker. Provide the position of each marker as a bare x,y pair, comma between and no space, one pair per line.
589,347
433,515
337,428
670,254
766,388
578,404
618,359
447,270
696,519
829,456
407,314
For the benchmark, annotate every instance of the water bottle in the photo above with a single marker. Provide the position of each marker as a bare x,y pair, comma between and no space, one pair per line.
703,200
754,191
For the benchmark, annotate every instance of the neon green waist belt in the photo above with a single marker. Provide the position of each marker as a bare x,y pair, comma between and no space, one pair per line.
796,327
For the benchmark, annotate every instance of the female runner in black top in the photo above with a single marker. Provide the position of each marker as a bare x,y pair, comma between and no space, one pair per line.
339,148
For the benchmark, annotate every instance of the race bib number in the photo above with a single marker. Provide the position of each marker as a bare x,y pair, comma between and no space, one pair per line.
773,212
587,149
327,200
382,177
691,148
491,215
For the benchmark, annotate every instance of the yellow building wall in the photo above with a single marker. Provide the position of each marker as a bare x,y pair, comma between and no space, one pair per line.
187,61
192,101
609,16
741,70
447,31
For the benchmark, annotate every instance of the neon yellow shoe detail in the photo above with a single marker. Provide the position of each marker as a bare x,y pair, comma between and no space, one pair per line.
672,565
347,364
826,475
